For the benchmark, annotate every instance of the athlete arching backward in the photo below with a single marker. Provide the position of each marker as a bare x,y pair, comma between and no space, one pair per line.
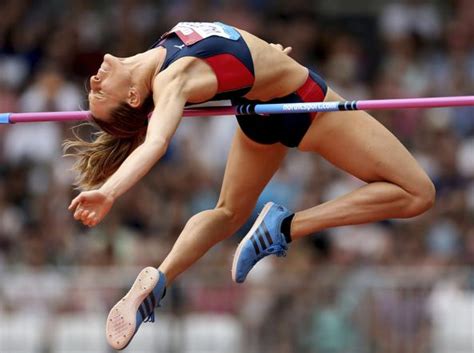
198,62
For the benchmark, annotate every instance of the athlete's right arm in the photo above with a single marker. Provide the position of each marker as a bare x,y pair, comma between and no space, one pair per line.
166,116
90,207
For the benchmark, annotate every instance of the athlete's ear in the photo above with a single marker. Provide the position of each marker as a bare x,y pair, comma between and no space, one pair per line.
134,99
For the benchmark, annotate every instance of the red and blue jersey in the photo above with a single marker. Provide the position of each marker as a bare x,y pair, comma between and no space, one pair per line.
224,49
221,46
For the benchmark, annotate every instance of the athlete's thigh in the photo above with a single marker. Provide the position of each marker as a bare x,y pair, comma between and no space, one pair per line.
249,168
357,143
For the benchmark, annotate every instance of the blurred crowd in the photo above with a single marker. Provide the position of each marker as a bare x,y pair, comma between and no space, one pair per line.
411,48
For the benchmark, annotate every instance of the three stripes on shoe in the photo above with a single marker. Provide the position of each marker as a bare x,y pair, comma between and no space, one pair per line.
258,239
147,307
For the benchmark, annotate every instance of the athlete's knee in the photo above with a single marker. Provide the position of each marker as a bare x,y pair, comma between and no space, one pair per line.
422,199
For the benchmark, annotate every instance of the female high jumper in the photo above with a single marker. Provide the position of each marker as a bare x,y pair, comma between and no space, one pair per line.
199,62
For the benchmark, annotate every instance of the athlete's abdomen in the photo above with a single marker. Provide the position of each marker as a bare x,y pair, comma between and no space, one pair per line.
276,74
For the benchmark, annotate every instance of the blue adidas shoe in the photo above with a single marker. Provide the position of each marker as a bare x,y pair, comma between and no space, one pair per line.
263,239
136,307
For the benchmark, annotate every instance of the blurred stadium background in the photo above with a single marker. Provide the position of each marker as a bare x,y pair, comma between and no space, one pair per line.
395,286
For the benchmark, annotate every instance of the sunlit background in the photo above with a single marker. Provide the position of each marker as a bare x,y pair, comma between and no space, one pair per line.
390,287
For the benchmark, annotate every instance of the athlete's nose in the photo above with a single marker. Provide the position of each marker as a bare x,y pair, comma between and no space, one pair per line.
95,82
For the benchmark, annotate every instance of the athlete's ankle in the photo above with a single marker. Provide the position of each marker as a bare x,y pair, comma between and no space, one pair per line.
286,228
162,274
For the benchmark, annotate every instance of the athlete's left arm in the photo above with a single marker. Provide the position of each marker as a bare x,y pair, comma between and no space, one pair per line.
285,50
90,207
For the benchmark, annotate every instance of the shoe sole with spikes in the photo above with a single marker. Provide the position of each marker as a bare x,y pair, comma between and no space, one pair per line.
121,323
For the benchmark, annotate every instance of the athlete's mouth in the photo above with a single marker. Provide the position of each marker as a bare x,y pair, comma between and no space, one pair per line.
103,69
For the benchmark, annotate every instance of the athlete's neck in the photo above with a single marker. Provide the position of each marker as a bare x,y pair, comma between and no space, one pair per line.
144,67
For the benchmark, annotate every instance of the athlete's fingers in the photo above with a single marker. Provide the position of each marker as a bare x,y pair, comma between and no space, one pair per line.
280,47
84,215
76,201
89,223
91,216
277,46
78,213
94,221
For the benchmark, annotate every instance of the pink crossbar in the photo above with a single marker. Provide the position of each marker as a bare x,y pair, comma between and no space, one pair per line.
415,103
264,109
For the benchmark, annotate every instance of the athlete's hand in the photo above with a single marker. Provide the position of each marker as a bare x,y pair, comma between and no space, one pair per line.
90,207
280,47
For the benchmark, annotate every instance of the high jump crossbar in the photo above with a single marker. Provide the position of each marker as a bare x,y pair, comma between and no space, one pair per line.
264,109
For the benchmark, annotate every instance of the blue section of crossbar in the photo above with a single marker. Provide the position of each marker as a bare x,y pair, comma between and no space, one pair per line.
5,118
282,108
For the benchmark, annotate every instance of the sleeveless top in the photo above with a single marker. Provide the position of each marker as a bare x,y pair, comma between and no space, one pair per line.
220,46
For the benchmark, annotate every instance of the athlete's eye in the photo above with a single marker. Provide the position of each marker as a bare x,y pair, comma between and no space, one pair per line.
96,94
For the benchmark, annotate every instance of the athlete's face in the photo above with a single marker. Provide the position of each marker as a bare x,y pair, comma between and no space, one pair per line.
109,87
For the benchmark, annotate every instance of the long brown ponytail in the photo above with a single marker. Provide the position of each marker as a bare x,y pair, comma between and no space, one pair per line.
98,159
